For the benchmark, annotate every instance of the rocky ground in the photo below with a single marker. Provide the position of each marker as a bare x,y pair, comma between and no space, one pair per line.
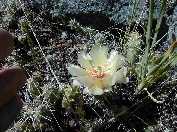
49,35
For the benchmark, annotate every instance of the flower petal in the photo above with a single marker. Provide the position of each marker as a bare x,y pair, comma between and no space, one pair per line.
107,81
116,60
99,55
96,90
85,80
120,76
100,86
76,71
85,60
108,89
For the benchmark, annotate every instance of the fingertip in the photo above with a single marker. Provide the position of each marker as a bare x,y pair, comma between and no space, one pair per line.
18,74
11,80
6,43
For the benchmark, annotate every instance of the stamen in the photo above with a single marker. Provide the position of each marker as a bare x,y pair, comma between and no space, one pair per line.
97,72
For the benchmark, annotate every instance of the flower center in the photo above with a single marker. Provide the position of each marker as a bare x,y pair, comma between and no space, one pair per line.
97,72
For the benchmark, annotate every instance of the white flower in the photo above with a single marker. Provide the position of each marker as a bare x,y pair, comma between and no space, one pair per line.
97,71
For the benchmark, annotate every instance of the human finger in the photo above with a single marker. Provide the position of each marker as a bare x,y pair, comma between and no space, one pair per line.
9,113
6,44
11,80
